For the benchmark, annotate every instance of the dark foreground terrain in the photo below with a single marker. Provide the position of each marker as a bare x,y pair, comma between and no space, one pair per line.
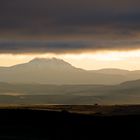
61,123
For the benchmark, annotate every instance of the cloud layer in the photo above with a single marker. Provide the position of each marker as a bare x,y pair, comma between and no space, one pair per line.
65,16
74,18
60,47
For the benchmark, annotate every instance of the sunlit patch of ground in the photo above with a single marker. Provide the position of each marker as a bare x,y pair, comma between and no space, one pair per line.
12,94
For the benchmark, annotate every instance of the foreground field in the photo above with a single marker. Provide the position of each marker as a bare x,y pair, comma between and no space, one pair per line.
37,123
65,122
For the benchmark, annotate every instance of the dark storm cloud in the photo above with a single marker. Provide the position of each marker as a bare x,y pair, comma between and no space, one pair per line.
15,47
60,47
56,15
65,17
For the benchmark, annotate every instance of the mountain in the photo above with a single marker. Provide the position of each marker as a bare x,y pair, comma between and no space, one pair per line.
43,64
57,71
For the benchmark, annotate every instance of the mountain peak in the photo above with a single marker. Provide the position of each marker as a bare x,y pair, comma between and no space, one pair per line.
37,59
50,63
48,60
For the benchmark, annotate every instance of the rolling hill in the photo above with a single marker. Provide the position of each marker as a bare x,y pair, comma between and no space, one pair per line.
124,93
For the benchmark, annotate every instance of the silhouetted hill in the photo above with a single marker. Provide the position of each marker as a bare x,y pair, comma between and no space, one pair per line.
113,71
40,124
130,84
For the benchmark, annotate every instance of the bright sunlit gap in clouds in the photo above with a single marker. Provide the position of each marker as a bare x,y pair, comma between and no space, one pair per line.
104,59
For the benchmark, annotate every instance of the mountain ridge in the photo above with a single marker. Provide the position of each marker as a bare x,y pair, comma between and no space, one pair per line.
58,71
54,59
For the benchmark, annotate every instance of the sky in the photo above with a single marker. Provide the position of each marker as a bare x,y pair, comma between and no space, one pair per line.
88,34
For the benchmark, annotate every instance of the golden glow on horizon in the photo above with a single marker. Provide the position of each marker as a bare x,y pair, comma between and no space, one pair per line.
104,59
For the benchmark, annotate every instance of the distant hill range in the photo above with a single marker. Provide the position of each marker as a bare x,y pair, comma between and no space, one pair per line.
57,71
124,93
